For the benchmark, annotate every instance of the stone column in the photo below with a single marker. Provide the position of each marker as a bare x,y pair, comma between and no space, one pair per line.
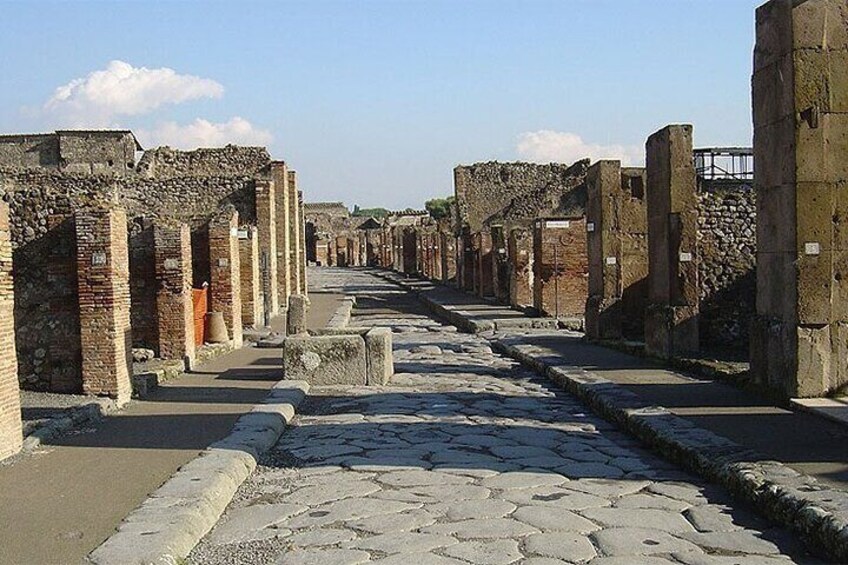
447,251
225,271
104,303
560,267
799,338
252,311
301,246
671,319
266,224
11,436
174,307
521,267
500,265
617,226
483,263
282,212
294,235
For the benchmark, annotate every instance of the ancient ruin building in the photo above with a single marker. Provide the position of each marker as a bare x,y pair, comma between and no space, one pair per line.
800,109
66,213
495,199
11,436
617,240
560,267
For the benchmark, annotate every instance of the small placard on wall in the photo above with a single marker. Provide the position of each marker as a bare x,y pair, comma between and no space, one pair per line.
171,264
611,261
501,251
223,262
98,258
812,248
234,232
243,234
558,224
590,227
685,257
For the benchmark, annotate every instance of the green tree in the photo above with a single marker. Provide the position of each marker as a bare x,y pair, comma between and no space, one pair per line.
369,212
439,207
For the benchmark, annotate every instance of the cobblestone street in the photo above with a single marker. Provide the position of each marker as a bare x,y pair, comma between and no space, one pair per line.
467,457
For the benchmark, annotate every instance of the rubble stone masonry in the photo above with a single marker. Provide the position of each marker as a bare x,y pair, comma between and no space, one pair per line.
10,396
104,302
521,267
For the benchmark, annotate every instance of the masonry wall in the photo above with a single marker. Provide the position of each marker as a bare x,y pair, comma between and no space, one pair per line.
252,311
173,305
521,267
447,244
617,246
10,403
294,234
143,285
800,110
39,150
500,265
282,195
671,319
727,241
560,267
104,302
225,283
266,223
165,162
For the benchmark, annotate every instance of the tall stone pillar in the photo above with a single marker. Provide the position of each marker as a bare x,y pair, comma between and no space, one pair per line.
225,271
252,312
266,224
282,211
521,267
11,436
500,265
617,237
104,303
294,234
671,319
799,338
174,309
447,251
560,267
301,246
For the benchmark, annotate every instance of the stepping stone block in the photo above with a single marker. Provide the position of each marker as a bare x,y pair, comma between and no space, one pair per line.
325,360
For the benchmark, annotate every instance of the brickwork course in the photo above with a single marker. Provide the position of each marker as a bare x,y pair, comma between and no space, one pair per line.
800,102
11,436
104,302
174,309
252,311
266,223
225,283
560,267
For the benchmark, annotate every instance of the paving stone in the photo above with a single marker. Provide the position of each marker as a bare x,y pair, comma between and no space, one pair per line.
488,508
543,561
643,560
523,479
547,518
639,541
452,492
589,470
568,546
323,493
665,520
261,521
707,518
498,552
421,478
650,500
521,451
486,528
348,509
329,536
555,496
738,541
403,542
418,559
324,557
386,523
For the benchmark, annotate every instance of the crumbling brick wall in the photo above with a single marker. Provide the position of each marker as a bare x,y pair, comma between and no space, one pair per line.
560,267
232,160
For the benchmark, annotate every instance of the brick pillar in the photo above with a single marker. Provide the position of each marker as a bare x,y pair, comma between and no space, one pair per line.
225,271
436,246
520,267
174,308
617,226
484,276
282,211
447,250
500,265
266,224
252,312
671,319
11,435
294,235
800,102
466,266
104,303
560,267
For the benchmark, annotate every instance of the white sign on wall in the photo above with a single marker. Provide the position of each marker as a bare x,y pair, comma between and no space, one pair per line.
558,224
611,260
685,257
812,248
590,227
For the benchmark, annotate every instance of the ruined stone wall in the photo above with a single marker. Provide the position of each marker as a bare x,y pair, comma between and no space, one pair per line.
39,150
251,298
10,397
143,285
727,223
507,193
94,152
560,267
520,267
231,160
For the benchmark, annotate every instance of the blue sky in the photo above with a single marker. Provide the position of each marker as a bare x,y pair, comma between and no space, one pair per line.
375,102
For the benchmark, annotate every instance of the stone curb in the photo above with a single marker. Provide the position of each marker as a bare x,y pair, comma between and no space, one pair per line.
78,416
818,514
341,317
165,528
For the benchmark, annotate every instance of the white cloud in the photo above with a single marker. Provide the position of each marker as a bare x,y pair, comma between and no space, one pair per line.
123,90
203,133
546,146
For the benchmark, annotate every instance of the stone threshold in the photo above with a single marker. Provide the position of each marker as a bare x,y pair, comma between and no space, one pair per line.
75,417
175,517
816,513
835,409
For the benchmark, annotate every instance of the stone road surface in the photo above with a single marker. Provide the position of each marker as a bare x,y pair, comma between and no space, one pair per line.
469,458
